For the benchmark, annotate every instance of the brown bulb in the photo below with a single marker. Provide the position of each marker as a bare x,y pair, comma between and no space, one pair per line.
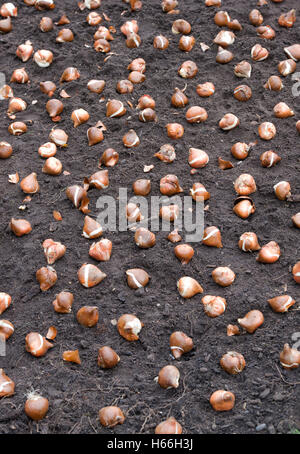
223,276
222,400
287,19
79,116
224,38
29,184
214,306
138,64
5,150
19,76
267,131
103,33
70,74
89,275
287,67
147,115
199,193
269,253
136,77
188,287
111,416
131,139
168,5
59,137
93,18
282,190
129,327
170,426
212,237
233,363
168,377
266,32
53,250
6,330
41,5
289,357
107,358
180,343
54,107
99,180
20,227
46,277
243,69
16,105
109,158
46,24
281,303
249,242
7,386
129,27
43,58
37,345
296,272
243,207
47,150
223,56
133,41
269,158
255,17
144,238
101,250
259,53
160,42
282,110
233,330
196,114
96,86
186,43
296,220
242,93
205,90
94,135
166,153
240,150
36,407
198,158
124,86
65,35
188,69
175,130
24,51
102,45
251,321
142,187
245,184
169,185
88,316
5,302
52,166
5,25
48,88
137,278
169,212
274,83
222,18
228,122
146,101
63,302
91,229
17,128
181,26
184,252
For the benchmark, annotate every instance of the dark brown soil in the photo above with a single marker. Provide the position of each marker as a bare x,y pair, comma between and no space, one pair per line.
265,393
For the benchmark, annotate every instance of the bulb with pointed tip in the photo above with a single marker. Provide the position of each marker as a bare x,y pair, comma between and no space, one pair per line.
289,357
63,302
111,416
168,377
36,344
223,276
180,343
89,275
46,277
129,327
169,427
107,358
252,320
214,306
281,303
7,386
88,316
188,287
222,400
212,237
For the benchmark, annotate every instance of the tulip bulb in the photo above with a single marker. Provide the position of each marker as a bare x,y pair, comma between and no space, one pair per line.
222,400
293,51
243,207
37,345
88,316
52,166
188,287
198,158
289,357
63,302
214,305
233,330
101,250
70,74
251,321
5,150
111,416
212,237
179,99
131,139
199,193
19,76
175,130
287,67
169,213
20,227
174,236
5,301
168,377
144,238
243,69
109,158
269,253
223,276
228,122
282,190
47,150
7,386
129,327
6,329
91,229
59,137
142,187
205,90
188,70
137,278
267,131
169,427
269,159
296,220
43,58
184,252
99,179
169,185
48,88
53,250
281,303
180,343
24,51
89,275
296,272
249,242
282,110
79,116
138,64
46,277
36,407
96,86
107,358
233,362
